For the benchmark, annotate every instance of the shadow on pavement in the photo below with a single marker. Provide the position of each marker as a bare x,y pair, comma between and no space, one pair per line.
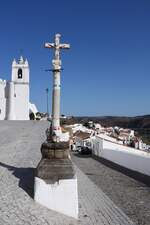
130,173
25,176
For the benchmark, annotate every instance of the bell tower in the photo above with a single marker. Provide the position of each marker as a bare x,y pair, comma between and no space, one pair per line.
20,79
20,71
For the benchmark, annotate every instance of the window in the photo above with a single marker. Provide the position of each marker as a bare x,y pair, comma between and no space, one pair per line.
20,74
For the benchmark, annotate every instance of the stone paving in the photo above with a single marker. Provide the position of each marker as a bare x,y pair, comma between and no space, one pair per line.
122,187
19,155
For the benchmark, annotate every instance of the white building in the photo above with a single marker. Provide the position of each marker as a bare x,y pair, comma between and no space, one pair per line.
32,108
14,94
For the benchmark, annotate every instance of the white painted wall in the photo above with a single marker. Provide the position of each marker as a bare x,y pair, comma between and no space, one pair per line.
10,112
125,156
2,99
21,101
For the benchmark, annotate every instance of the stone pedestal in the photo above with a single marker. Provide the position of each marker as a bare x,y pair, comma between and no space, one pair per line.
55,181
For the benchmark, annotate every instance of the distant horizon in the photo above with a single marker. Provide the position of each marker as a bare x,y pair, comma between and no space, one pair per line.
116,116
142,115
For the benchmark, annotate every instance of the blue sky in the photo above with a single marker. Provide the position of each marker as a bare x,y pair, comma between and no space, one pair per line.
107,69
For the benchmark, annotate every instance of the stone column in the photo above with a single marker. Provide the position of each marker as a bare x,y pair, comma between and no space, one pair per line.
56,96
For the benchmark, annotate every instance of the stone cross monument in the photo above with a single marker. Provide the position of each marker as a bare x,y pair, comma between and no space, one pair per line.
55,184
55,127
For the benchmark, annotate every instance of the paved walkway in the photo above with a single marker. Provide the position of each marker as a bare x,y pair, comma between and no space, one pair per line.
19,154
128,191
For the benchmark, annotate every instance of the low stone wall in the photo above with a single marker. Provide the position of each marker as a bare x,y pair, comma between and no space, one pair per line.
127,157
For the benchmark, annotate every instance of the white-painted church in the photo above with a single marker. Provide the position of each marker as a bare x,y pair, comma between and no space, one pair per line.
14,94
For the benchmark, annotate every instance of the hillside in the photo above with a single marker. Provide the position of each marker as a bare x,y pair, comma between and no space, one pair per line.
141,124
137,122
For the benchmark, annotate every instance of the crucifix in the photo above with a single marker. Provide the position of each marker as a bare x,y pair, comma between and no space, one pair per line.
56,62
55,176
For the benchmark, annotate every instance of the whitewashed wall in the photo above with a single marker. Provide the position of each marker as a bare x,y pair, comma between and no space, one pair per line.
125,156
22,101
2,100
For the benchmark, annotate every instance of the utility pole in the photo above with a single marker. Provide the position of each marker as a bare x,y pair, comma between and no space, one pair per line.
47,101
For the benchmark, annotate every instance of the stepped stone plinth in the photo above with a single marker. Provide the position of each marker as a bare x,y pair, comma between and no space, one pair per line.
55,179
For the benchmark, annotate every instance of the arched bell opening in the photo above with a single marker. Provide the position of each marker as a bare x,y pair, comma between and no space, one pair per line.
19,73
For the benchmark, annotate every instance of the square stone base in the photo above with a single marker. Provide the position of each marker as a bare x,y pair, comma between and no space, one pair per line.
55,186
61,196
